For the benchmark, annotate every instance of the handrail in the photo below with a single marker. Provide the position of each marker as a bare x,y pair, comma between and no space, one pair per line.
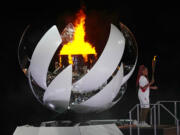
175,110
169,112
130,117
133,108
158,102
168,101
161,105
154,107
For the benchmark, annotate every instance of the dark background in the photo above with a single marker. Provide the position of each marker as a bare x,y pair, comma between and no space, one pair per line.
155,27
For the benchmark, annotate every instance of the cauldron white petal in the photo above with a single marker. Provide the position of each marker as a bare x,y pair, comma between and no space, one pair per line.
42,55
106,64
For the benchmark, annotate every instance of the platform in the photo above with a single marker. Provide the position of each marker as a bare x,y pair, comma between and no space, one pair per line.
119,127
161,130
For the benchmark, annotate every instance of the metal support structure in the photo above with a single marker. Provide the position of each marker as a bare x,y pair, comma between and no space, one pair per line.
175,105
155,115
176,119
178,127
175,111
155,121
130,117
138,131
151,117
159,115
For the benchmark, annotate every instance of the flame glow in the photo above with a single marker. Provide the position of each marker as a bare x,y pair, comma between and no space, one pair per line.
78,46
154,58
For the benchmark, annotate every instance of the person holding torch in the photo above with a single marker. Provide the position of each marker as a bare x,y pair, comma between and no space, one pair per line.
144,87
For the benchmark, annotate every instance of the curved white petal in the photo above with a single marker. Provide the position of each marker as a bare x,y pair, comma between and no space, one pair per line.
106,64
30,83
59,91
126,77
103,99
43,54
115,102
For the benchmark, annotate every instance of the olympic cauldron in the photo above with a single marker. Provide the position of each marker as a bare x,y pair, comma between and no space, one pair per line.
81,82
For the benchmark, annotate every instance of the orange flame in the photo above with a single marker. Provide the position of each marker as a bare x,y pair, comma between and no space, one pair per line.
154,58
78,46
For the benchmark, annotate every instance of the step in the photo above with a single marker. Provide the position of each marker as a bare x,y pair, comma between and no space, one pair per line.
161,130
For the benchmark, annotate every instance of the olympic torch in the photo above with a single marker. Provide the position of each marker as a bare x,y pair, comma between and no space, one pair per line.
153,66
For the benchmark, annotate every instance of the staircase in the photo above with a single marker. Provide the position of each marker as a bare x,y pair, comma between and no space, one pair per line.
157,127
160,130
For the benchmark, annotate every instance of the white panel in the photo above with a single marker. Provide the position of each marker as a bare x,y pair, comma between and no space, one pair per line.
103,99
126,77
106,64
31,130
59,91
26,130
59,131
43,54
106,129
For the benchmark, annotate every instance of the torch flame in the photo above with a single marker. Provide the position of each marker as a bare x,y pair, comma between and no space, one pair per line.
154,58
78,46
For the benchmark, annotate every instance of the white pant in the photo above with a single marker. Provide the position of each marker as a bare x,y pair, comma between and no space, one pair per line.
144,99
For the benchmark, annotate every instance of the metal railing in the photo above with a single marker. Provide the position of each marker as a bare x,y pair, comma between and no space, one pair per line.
159,112
137,107
155,117
153,110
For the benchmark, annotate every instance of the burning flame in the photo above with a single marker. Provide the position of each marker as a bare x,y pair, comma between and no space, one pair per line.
78,46
154,58
153,64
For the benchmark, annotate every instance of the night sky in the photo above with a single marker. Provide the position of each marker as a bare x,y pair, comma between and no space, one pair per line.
155,27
